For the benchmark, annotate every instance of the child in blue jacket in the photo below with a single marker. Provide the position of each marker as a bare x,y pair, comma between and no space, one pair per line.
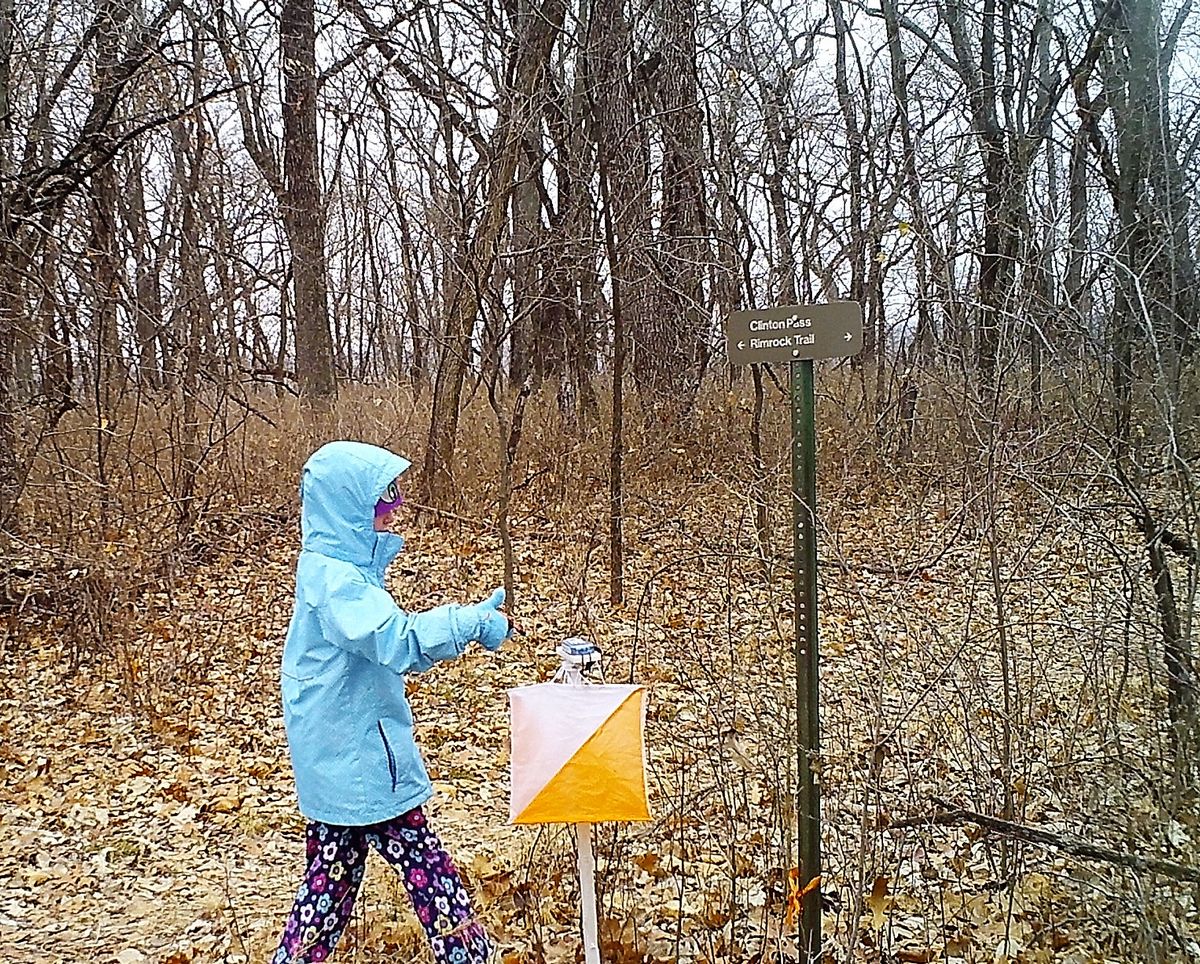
359,776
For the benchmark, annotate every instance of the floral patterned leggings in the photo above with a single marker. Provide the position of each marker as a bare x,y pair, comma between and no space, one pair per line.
337,857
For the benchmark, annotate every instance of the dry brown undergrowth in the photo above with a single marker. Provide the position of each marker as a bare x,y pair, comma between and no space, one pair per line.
143,758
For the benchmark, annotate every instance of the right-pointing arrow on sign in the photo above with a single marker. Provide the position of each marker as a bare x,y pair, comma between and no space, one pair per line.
847,336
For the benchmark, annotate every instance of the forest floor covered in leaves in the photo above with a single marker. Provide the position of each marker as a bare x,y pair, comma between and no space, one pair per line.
147,811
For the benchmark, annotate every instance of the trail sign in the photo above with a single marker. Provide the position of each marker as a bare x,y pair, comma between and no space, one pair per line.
798,334
795,333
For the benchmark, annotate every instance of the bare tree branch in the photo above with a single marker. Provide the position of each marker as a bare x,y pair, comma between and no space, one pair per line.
950,815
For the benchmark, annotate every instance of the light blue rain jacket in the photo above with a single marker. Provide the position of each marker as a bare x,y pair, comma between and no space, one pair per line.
349,726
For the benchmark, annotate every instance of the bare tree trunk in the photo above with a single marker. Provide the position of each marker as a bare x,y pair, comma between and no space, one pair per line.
856,238
1153,295
678,327
285,325
996,258
9,480
227,340
1183,695
452,349
108,374
418,371
616,484
922,345
1133,149
610,96
303,213
147,307
58,371
569,278
379,343
622,162
778,142
730,223
189,147
1046,319
9,281
1076,293
7,24
535,350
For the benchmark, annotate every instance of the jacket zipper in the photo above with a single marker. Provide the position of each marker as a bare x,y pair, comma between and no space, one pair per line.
391,759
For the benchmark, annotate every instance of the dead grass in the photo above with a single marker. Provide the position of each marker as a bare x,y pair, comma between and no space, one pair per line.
184,620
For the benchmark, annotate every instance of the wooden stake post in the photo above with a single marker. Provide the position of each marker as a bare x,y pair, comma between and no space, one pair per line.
798,334
578,657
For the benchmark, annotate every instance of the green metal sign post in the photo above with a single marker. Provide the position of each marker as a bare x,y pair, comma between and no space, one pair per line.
798,334
808,720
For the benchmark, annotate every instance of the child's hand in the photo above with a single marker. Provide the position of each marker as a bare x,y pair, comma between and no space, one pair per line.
495,626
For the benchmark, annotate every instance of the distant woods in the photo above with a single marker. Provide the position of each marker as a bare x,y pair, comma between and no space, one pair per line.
230,194
206,201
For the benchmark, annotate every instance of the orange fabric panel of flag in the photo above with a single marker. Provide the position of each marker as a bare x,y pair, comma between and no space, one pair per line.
578,753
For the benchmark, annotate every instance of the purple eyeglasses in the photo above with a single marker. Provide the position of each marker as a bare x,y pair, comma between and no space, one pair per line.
391,500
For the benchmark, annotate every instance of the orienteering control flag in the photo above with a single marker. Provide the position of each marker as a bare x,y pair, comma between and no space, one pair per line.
578,753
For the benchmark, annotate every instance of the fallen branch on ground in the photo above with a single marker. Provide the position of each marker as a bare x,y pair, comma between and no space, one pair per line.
950,815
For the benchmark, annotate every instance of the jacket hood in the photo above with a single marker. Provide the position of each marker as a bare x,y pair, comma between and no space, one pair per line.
339,487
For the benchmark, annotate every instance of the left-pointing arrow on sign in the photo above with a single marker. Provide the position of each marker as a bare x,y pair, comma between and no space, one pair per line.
741,345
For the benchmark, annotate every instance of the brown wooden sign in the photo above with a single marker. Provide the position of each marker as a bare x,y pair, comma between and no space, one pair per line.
795,333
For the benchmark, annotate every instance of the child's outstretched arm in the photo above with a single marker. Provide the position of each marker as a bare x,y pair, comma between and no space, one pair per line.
365,620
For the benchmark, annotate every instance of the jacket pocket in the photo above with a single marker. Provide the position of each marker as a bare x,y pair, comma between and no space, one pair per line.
391,757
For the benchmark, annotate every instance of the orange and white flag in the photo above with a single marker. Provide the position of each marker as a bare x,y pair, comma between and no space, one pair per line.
578,753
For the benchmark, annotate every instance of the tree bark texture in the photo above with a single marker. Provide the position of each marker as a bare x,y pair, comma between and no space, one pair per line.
9,314
611,98
107,364
1155,306
147,305
1178,658
9,280
303,212
672,338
